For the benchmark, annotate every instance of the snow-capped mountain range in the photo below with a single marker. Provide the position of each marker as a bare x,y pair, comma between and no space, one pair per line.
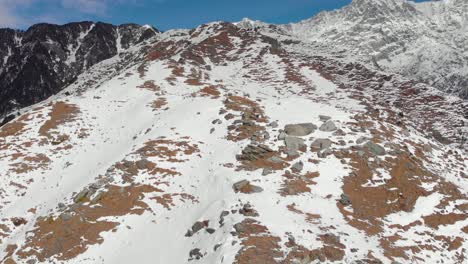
425,41
236,143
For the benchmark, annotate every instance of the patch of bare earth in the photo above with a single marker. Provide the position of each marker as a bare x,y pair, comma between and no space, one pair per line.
66,237
81,224
195,78
150,86
295,184
30,163
258,245
159,103
311,218
211,91
177,71
11,129
373,200
331,251
60,114
9,133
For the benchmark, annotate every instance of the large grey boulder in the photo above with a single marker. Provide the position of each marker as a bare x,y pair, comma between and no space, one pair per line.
376,149
324,153
321,144
81,196
324,118
294,143
267,171
361,140
328,126
275,160
282,135
297,167
300,130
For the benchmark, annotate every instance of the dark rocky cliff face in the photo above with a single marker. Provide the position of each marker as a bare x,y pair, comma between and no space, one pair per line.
41,61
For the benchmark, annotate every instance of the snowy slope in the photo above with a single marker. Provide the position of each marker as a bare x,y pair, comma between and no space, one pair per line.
187,155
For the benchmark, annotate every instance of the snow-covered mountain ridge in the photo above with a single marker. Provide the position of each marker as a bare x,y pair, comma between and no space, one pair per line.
227,144
425,41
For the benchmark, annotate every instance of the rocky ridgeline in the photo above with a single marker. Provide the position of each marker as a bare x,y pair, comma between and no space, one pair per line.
41,61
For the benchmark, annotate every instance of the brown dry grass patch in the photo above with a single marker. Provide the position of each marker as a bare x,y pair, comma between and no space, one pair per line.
150,86
258,246
66,239
159,103
60,114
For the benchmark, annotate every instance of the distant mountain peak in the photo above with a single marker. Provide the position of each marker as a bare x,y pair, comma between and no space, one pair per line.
424,41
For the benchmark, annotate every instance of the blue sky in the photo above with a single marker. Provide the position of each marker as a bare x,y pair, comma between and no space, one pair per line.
163,14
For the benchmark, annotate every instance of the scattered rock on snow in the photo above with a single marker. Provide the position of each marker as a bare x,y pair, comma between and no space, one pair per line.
324,118
267,171
195,254
293,145
62,206
324,153
300,130
221,217
320,144
297,167
282,136
344,200
244,186
328,126
217,122
199,225
275,160
17,221
247,210
217,246
273,124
